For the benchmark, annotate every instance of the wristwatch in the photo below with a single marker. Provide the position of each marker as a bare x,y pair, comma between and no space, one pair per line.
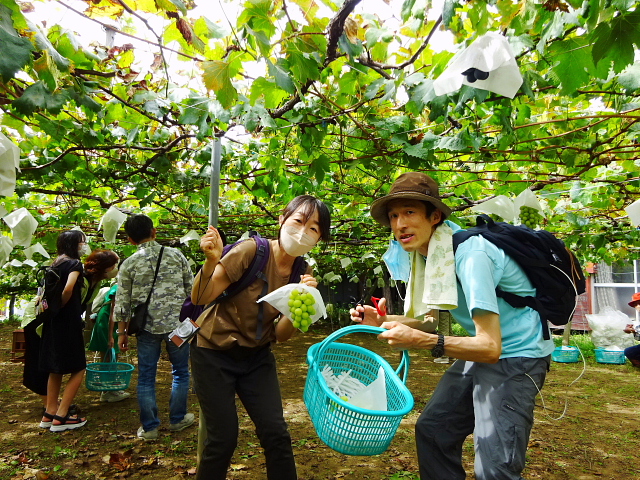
438,350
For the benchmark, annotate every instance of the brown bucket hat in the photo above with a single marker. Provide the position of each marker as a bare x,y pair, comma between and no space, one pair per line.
414,186
635,300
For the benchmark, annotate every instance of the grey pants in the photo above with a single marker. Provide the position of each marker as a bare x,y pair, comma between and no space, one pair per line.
495,402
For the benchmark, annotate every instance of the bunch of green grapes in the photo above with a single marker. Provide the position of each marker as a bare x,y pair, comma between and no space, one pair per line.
530,216
302,307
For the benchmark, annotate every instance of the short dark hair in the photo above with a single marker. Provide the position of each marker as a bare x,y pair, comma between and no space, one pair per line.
309,205
98,261
68,243
138,227
432,208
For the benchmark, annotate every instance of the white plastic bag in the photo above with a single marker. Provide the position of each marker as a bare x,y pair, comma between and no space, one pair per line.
607,329
22,225
343,385
352,390
508,208
374,395
633,211
285,299
9,162
490,53
111,223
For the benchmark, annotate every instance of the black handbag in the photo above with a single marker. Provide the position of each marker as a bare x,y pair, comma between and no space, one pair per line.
139,318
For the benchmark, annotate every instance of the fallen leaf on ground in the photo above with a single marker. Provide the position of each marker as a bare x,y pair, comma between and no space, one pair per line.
120,461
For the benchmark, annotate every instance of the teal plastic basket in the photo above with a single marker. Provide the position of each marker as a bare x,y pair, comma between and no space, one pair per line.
610,356
565,355
109,375
344,427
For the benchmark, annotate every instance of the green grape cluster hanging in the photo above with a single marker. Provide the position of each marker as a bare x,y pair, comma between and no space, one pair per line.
530,216
302,306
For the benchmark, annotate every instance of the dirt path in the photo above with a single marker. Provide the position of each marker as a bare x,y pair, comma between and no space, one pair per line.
598,438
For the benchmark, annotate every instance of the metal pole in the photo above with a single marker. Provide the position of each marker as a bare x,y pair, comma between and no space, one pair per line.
215,182
636,281
213,220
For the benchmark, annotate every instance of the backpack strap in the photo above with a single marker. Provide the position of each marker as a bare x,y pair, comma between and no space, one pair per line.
517,301
256,271
251,274
263,244
299,268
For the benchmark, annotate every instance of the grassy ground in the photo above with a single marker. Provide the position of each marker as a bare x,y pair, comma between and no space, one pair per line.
596,437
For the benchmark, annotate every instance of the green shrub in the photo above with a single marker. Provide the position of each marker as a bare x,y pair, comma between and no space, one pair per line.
458,330
14,320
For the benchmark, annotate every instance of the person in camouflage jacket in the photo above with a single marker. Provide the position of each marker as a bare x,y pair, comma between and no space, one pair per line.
172,286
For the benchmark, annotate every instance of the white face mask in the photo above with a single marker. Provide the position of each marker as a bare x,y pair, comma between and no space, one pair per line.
112,273
294,242
84,249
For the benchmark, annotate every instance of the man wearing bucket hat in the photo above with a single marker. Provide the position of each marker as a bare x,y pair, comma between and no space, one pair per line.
490,389
633,353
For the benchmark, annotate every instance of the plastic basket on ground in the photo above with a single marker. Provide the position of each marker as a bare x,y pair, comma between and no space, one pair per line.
344,427
610,356
565,354
108,375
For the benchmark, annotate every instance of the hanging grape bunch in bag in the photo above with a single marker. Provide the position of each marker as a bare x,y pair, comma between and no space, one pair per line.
530,216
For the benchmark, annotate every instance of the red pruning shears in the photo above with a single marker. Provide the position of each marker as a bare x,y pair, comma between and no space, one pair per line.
375,301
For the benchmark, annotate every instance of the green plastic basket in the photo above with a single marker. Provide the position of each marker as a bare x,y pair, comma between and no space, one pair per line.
565,355
108,375
344,427
610,356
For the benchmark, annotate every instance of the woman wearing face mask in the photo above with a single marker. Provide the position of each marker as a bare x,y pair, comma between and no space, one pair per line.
232,353
62,348
99,266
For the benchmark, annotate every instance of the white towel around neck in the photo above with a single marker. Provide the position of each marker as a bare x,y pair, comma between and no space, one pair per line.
432,283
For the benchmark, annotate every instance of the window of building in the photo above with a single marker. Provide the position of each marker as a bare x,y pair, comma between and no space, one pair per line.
614,285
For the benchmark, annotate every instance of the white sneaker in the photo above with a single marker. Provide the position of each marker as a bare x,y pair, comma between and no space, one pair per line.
441,360
114,396
150,435
187,421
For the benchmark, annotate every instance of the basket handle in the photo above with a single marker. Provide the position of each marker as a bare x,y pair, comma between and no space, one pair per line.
110,355
404,361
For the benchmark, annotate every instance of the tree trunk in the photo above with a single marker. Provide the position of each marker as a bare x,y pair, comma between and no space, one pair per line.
567,334
386,291
12,304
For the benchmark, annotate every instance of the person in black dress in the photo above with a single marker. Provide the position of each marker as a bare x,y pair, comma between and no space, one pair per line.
62,346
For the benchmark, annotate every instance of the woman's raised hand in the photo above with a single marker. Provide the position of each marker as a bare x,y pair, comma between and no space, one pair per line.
211,244
308,280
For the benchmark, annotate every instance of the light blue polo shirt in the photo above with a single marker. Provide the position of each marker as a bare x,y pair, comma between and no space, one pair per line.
481,267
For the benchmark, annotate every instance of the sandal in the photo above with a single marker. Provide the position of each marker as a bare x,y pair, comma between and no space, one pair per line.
68,422
46,424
